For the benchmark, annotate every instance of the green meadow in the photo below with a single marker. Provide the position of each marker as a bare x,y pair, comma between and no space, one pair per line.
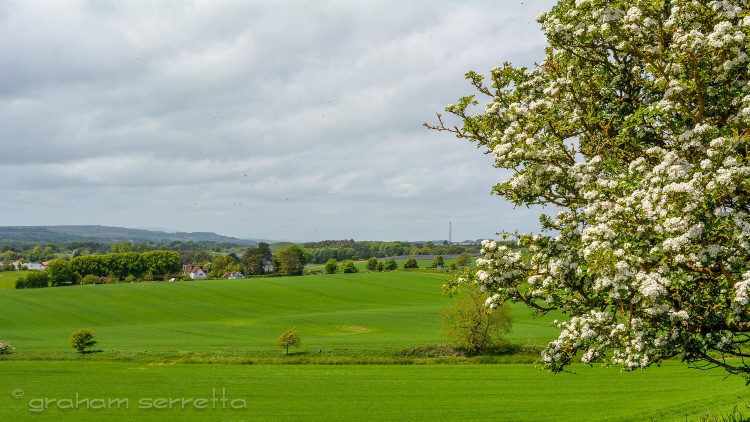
357,392
357,311
183,340
8,279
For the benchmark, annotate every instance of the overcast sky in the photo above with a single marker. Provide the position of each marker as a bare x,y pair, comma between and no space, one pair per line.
297,120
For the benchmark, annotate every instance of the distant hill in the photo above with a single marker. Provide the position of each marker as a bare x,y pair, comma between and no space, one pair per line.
104,234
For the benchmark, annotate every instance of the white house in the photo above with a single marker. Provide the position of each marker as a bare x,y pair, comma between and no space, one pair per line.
197,273
234,275
34,266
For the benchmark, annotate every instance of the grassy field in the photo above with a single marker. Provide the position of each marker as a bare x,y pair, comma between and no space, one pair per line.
155,338
8,279
349,392
352,311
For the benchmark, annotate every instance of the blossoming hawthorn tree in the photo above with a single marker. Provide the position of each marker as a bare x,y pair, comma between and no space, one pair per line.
635,129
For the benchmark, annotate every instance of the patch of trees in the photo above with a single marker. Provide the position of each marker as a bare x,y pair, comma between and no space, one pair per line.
153,265
341,250
159,264
255,260
290,260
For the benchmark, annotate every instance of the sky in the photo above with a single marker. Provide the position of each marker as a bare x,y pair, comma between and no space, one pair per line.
284,120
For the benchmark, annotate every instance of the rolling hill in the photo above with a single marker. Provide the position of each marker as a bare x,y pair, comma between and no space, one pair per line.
106,234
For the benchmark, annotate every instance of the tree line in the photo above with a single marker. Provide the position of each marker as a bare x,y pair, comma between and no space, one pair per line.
152,265
341,250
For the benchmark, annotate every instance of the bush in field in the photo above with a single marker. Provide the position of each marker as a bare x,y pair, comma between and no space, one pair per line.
33,280
380,266
438,262
463,260
82,340
332,266
372,264
472,326
348,267
410,264
5,348
289,338
390,265
90,279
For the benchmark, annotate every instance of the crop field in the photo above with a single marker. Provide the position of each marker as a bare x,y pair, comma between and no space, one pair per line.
78,390
340,311
8,279
156,340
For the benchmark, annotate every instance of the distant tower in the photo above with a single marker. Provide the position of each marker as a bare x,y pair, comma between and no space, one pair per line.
450,232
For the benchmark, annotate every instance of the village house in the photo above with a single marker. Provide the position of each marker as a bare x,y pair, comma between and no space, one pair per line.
195,272
33,266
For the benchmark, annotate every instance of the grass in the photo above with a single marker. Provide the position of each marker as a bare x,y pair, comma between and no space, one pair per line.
319,393
8,279
340,311
183,339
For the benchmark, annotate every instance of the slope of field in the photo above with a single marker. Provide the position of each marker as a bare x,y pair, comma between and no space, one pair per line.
86,391
350,311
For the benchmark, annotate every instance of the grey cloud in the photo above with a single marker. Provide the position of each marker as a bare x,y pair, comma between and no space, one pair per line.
295,120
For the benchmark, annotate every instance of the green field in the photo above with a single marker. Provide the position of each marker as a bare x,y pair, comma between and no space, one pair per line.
340,311
156,338
8,279
356,392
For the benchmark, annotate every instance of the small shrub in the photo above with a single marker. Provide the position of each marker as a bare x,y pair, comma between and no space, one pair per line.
90,279
410,264
463,260
390,265
372,264
32,280
348,267
438,262
5,348
332,266
468,324
82,340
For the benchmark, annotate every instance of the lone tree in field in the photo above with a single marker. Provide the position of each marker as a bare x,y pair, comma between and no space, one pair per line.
82,340
471,325
288,339
635,129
